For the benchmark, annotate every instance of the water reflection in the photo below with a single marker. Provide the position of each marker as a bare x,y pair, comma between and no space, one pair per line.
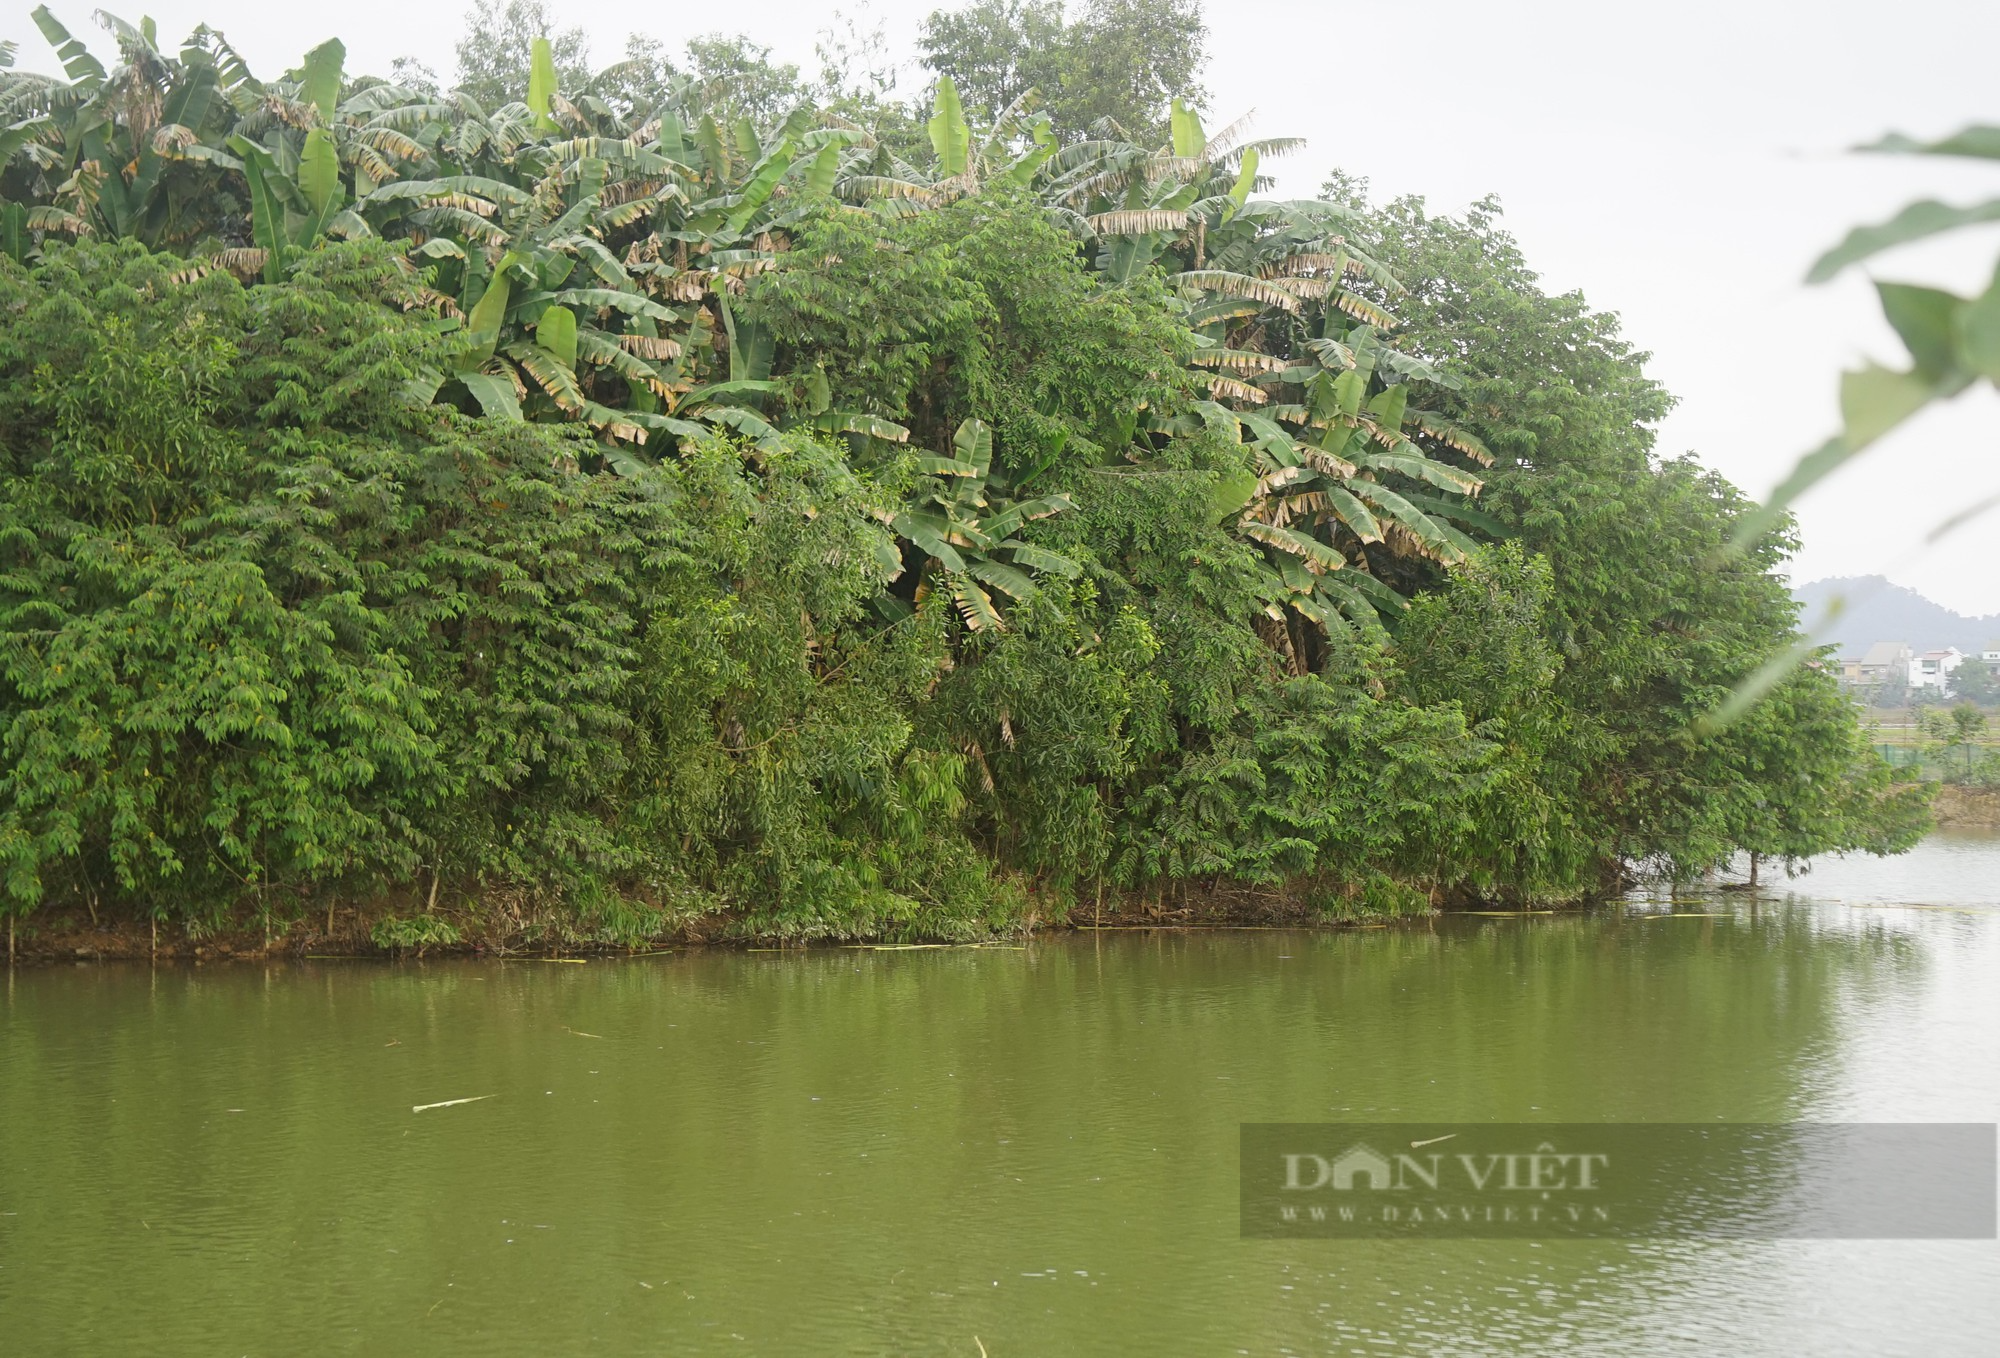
859,1151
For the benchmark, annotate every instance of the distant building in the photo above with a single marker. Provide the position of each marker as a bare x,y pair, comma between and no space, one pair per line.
1933,669
1991,653
1883,661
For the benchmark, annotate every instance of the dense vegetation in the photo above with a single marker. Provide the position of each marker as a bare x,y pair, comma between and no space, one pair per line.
591,510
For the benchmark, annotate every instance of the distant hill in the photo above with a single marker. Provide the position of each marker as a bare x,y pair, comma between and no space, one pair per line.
1876,610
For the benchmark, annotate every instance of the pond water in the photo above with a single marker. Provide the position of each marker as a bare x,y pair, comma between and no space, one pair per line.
1016,1151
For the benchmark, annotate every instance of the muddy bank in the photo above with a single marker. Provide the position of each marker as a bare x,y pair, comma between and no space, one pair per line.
1967,808
510,930
54,936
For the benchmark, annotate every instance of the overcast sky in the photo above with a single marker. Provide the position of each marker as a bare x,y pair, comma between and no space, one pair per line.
1680,164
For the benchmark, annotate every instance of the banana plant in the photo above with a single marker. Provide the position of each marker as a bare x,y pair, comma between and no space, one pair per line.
1343,487
592,260
151,148
298,195
964,531
14,241
645,240
1136,204
561,322
134,151
1008,153
1348,478
551,317
366,125
1324,500
1345,478
16,235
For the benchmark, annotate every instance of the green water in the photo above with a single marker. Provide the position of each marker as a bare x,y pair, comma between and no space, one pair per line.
852,1151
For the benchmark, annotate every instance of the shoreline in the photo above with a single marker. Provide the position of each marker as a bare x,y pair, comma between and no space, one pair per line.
68,938
503,933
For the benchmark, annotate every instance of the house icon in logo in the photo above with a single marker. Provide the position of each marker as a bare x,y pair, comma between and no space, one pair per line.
1360,1159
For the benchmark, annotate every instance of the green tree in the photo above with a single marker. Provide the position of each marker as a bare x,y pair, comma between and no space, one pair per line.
1481,642
1117,62
203,693
496,51
721,75
1968,723
1953,736
1976,682
1807,781
1651,641
269,629
736,77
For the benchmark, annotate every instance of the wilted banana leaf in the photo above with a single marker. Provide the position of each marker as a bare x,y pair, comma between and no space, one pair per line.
933,465
1009,581
1040,559
854,422
975,606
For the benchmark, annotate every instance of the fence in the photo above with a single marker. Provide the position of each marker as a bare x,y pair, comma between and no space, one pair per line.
1959,764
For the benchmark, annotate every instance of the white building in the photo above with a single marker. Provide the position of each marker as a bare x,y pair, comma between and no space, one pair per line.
1991,655
1933,669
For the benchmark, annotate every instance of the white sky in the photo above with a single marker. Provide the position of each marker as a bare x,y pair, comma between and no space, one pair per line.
1682,164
